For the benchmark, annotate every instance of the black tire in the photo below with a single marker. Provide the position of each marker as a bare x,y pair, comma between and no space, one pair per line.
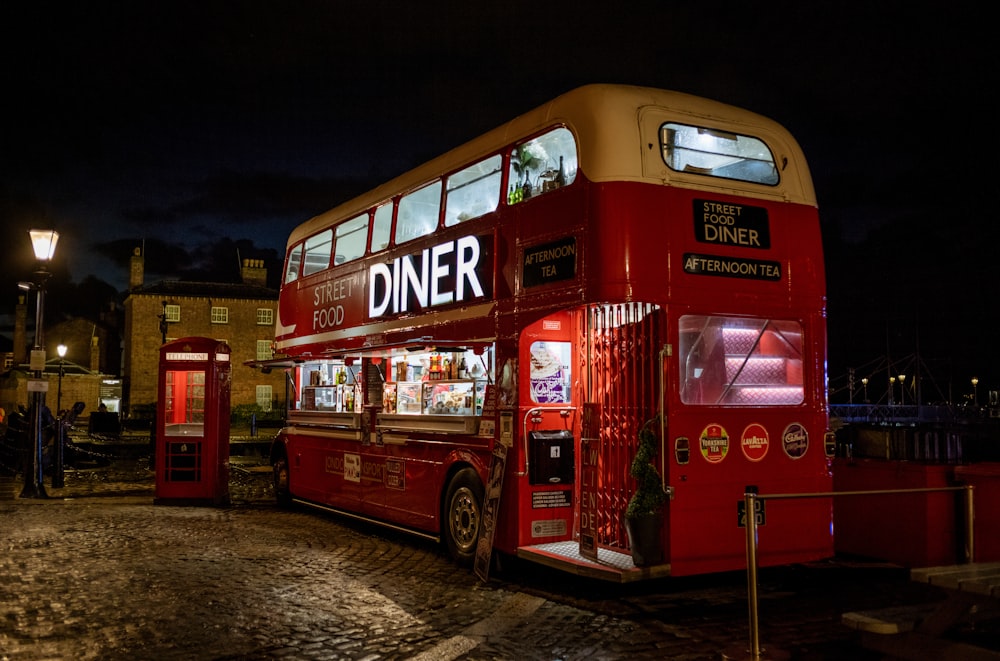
282,479
462,520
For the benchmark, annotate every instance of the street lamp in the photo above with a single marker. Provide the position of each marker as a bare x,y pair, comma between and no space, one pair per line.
902,390
975,391
44,244
58,473
864,383
892,388
61,350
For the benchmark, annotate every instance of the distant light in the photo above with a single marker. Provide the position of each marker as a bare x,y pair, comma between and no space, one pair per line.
61,350
44,243
26,286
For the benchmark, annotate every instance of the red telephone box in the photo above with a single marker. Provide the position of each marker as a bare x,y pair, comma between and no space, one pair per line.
192,423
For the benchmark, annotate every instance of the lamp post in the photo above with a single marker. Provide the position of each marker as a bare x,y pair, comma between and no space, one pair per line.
58,455
975,392
61,350
892,388
44,244
902,390
864,384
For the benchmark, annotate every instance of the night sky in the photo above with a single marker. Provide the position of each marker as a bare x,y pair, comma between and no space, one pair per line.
206,131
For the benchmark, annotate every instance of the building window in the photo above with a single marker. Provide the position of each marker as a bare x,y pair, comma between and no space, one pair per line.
265,317
173,313
264,350
264,397
220,315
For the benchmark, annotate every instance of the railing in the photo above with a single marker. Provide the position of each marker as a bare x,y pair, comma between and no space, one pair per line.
750,499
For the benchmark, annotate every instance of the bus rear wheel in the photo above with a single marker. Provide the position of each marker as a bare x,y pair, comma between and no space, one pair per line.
463,516
282,492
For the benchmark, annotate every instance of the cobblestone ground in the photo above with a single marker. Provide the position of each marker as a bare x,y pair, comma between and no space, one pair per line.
96,571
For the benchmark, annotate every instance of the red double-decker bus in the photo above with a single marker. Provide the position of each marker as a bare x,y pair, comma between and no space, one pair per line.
476,347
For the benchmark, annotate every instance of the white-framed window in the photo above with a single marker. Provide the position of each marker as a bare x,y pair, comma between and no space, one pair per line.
740,361
265,317
220,315
542,164
418,212
716,153
474,191
264,396
351,237
264,350
173,313
318,249
382,227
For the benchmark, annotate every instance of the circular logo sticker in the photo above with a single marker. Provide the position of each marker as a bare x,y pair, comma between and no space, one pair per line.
714,443
754,442
795,440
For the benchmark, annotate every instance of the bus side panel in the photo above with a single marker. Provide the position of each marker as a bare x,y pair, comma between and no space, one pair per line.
320,470
415,473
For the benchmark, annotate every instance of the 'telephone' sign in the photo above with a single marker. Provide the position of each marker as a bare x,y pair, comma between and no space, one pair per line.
450,272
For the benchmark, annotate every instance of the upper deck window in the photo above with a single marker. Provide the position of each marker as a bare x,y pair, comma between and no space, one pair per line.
717,154
473,192
352,235
294,261
541,165
318,250
382,227
418,212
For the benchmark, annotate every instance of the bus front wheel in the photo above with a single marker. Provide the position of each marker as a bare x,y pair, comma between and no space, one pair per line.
463,515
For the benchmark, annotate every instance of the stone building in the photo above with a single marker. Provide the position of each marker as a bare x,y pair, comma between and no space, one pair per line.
240,314
76,377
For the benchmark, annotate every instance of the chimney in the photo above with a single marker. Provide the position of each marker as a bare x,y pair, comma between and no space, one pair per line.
95,355
136,273
21,331
253,272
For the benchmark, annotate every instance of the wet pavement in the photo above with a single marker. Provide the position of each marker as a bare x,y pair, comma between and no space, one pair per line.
97,571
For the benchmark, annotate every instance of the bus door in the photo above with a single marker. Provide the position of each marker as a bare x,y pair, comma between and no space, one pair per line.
623,362
548,431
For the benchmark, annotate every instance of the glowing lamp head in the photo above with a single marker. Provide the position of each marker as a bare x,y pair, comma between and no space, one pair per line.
44,243
61,350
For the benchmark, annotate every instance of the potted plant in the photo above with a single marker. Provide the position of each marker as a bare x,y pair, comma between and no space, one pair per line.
644,514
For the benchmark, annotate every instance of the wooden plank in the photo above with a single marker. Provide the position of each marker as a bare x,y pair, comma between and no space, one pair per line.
915,646
895,619
952,576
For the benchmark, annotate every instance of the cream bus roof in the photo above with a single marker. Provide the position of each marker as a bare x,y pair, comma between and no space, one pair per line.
604,118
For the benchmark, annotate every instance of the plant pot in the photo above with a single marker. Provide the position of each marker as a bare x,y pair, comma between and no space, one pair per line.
645,539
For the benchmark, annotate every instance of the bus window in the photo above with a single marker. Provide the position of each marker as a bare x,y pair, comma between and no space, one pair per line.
351,238
541,165
717,154
418,212
549,372
473,192
294,261
318,249
381,227
740,362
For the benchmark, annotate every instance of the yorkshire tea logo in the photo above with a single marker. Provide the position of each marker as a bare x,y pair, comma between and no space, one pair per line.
714,443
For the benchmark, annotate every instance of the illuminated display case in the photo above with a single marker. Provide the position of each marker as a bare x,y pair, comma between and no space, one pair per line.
462,397
408,397
343,398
